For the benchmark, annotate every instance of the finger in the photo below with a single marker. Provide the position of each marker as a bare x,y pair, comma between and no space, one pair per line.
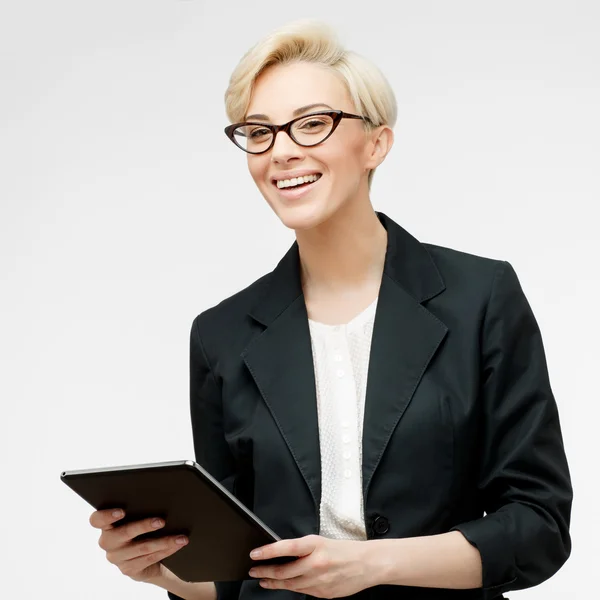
297,568
104,519
298,584
131,530
121,536
148,547
135,565
295,547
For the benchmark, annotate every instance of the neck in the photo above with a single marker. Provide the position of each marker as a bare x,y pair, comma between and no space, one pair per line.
345,253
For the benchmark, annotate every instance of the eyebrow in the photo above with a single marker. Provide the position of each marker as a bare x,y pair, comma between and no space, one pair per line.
296,113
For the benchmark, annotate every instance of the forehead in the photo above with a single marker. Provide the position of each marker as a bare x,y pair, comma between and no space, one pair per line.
281,89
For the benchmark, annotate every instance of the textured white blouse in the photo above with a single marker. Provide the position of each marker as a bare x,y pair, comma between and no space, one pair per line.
341,361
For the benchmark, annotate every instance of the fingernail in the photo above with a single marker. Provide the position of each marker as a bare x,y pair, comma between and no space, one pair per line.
157,523
117,513
255,554
181,540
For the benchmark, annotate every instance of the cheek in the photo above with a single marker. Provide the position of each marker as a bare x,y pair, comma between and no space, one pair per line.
253,167
258,168
259,171
342,158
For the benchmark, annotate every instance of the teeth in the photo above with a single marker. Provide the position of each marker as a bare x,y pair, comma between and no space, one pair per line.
284,183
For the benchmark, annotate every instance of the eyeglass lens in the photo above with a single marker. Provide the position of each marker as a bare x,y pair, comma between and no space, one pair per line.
307,132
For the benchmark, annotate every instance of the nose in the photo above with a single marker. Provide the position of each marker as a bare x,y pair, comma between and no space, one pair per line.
284,148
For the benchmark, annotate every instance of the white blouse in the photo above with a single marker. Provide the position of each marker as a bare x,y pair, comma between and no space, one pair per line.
341,359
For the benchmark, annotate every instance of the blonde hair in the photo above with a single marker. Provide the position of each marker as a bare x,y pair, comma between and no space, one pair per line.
316,42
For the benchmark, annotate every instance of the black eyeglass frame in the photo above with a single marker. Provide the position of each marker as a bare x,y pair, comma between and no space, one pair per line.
337,116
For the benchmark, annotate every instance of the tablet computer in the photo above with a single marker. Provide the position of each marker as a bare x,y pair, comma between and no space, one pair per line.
221,530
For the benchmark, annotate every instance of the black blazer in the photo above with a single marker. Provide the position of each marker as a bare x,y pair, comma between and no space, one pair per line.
460,418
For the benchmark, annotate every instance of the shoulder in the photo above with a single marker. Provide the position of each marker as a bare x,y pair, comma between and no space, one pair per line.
232,311
451,260
465,270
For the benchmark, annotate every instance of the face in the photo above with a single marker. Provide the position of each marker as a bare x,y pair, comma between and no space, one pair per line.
343,160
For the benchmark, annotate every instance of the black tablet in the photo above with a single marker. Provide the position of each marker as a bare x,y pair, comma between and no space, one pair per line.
221,530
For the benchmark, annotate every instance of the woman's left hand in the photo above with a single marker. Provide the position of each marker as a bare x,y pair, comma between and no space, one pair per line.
326,568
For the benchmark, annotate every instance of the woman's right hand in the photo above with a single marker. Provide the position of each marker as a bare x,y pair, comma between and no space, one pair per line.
139,560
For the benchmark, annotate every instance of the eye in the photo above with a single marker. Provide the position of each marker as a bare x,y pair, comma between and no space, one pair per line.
312,124
259,132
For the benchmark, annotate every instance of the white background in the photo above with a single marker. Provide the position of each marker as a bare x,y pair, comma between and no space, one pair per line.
125,211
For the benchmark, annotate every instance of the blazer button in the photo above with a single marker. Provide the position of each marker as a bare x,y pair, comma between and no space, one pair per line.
381,525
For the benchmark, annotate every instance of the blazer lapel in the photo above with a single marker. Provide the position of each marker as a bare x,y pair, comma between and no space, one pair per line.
281,363
405,338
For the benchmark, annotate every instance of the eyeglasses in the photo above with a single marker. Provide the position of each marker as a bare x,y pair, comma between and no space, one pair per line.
308,130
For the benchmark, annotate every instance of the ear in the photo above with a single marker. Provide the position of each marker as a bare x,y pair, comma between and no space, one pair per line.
380,142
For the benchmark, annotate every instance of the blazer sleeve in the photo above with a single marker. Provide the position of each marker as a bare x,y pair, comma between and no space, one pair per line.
210,447
524,479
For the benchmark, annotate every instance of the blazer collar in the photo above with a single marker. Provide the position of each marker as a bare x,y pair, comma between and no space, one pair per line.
405,338
407,263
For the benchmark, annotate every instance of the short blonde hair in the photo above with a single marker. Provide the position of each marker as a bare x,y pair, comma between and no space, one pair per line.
316,42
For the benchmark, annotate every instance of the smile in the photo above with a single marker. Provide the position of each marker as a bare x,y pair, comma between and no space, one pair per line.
297,181
297,187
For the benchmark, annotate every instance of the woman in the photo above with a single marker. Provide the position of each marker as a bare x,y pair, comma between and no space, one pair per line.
372,397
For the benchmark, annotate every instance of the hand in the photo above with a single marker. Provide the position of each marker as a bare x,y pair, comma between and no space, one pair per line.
325,568
139,560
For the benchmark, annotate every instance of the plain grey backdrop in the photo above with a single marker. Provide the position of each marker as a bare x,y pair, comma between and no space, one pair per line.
125,211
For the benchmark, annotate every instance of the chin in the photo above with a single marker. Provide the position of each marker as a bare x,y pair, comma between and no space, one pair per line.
303,217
